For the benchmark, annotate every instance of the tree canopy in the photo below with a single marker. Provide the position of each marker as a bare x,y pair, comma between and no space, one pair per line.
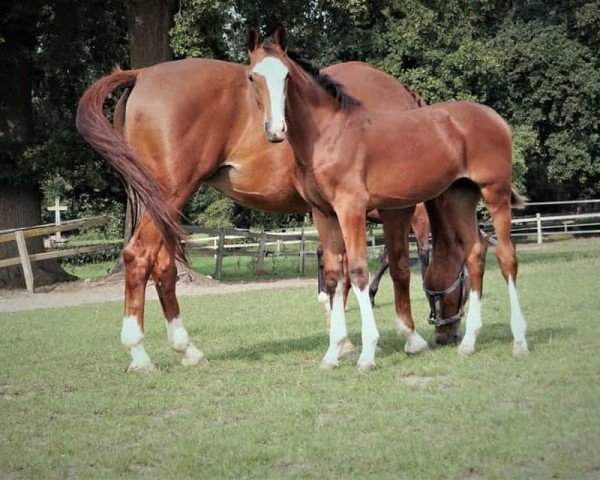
535,62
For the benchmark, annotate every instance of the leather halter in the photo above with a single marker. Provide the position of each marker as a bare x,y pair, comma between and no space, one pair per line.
435,299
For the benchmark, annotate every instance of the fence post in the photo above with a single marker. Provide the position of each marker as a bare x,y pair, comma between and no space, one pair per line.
25,263
261,252
538,221
303,253
220,252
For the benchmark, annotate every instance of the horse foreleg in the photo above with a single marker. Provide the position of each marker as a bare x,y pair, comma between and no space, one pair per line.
164,274
138,257
384,263
352,222
348,349
396,225
333,249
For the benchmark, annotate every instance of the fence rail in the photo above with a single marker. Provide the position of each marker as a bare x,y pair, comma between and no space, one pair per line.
540,226
25,259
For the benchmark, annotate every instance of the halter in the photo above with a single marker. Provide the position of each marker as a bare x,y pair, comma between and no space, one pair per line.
435,315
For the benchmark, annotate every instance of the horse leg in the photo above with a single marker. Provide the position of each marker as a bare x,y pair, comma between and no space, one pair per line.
352,222
348,350
164,274
333,249
499,207
384,263
474,249
396,225
421,229
138,257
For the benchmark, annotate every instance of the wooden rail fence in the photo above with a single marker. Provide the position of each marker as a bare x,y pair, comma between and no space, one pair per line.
221,249
25,259
542,225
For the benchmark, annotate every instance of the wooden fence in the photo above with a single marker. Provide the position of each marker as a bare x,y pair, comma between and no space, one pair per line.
541,225
25,259
221,249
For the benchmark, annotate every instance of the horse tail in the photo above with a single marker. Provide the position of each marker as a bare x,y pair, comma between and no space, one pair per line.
100,134
517,201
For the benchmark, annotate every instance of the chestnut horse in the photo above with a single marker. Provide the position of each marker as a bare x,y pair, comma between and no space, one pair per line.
194,121
351,158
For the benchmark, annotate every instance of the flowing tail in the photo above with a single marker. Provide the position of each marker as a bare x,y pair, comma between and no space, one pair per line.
517,201
100,134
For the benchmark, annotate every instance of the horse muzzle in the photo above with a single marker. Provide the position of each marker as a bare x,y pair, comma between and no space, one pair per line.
275,135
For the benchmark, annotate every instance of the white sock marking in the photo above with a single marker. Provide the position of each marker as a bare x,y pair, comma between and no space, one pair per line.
275,73
517,321
337,331
369,332
473,324
132,339
180,342
414,342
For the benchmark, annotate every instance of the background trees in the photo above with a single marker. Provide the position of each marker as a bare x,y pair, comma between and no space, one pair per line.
535,62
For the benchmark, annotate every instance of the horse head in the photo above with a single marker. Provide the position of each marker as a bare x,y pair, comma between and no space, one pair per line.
268,73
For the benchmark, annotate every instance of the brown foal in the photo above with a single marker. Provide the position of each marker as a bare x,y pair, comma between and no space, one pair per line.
194,121
351,158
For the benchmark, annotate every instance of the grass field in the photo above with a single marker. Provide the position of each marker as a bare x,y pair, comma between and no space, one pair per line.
263,408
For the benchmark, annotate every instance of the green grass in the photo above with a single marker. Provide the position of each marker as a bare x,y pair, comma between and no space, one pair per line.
264,409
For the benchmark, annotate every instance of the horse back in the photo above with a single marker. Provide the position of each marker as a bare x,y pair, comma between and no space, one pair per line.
182,116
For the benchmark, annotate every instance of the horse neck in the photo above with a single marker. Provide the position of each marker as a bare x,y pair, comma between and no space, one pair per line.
245,128
310,110
447,254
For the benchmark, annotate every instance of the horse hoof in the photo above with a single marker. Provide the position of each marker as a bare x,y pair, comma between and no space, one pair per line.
328,365
200,361
148,368
365,367
416,346
348,350
322,297
520,350
465,350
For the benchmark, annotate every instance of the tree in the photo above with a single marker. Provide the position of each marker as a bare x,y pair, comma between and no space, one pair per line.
19,194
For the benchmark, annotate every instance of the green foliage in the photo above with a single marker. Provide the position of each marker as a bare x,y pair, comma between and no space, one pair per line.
535,62
218,214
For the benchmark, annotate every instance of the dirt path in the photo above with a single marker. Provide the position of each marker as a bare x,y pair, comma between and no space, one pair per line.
103,290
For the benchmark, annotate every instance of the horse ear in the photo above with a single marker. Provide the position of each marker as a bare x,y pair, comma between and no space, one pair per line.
253,38
280,37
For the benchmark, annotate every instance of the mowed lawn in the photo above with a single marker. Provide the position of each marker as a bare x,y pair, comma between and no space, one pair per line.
264,409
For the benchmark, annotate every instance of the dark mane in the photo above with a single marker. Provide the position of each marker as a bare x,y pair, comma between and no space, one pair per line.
335,89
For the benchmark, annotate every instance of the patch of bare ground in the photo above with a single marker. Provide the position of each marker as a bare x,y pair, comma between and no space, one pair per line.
110,289
415,382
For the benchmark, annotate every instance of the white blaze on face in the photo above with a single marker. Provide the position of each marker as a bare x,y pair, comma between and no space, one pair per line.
275,73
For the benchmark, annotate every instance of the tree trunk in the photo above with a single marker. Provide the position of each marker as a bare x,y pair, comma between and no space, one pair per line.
20,200
20,207
149,23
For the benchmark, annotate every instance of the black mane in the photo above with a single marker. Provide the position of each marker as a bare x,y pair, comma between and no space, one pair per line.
335,89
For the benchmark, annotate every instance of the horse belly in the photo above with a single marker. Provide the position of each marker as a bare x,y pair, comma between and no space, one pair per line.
402,182
260,184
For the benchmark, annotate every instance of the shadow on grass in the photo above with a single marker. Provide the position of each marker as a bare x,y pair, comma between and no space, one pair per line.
389,342
258,350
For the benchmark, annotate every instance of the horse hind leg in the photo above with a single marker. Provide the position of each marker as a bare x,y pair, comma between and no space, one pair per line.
138,257
164,274
383,266
507,259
